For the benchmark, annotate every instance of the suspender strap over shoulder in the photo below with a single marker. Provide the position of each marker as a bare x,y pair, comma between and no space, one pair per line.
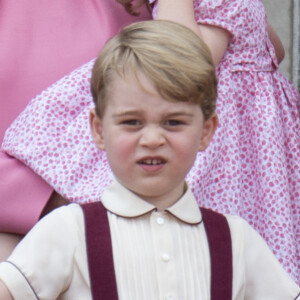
100,255
99,252
220,246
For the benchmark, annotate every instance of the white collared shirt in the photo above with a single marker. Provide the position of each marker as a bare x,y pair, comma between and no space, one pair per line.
157,255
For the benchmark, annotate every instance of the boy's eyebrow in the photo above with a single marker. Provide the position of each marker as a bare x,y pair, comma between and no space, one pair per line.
136,112
179,114
125,113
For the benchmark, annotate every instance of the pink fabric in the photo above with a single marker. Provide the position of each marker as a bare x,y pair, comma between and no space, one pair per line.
251,167
41,41
20,183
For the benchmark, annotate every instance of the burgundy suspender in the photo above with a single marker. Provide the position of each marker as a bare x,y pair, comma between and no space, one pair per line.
99,252
220,246
100,257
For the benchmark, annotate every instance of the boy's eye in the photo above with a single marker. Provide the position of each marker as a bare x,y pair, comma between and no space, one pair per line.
174,123
131,122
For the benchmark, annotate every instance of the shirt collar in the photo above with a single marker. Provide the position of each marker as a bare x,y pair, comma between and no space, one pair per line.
122,202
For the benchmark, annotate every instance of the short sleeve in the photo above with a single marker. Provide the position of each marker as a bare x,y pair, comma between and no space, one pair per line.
227,14
42,264
259,273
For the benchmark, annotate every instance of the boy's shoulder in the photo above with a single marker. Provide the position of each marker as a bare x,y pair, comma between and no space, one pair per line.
240,228
68,210
235,222
64,218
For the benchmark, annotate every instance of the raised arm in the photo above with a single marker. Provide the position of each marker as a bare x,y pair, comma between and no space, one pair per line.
277,44
182,11
216,39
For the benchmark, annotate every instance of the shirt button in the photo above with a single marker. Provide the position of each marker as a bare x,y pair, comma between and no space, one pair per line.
165,257
160,220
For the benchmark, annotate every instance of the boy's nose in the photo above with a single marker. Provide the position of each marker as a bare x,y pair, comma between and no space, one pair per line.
152,137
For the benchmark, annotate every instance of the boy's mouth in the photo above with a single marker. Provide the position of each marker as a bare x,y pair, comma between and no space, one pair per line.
152,161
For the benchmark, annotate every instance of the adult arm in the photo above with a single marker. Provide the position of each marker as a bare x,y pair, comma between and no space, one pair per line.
276,42
8,241
182,12
4,292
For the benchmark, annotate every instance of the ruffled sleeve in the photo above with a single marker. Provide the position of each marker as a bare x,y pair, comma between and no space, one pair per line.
222,13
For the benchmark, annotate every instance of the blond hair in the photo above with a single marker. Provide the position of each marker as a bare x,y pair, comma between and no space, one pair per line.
170,55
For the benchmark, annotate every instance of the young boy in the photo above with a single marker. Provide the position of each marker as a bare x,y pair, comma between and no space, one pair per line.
154,89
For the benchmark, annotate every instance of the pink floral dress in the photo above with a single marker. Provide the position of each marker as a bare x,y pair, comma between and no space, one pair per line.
251,168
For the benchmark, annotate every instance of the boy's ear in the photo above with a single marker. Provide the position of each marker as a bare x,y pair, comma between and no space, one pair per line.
209,127
97,129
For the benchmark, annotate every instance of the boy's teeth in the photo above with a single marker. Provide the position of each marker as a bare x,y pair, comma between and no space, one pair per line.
152,161
155,162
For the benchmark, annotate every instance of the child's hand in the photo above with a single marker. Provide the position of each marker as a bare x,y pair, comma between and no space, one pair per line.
55,201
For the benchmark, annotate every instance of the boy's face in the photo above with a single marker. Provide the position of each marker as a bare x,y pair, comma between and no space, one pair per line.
151,143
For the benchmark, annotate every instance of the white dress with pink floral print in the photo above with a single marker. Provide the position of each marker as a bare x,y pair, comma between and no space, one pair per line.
251,168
